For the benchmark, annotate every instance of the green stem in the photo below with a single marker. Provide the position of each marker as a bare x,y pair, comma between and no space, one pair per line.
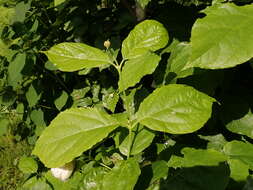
129,141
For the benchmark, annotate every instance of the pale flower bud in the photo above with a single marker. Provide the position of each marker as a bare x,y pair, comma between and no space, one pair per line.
107,44
64,172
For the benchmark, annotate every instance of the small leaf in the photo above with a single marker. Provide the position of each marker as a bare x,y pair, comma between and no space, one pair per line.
240,151
141,139
149,35
176,109
27,165
177,61
143,3
15,68
125,173
61,100
58,2
110,101
71,133
238,170
197,157
32,95
160,170
223,38
135,69
37,116
70,56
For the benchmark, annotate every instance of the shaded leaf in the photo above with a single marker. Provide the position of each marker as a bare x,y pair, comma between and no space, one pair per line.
27,165
134,69
197,157
238,170
125,173
141,139
61,100
241,151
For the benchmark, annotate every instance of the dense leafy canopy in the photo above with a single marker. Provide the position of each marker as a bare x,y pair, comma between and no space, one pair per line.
138,95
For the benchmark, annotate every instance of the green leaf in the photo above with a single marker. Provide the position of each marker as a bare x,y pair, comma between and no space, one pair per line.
58,2
70,56
134,69
141,139
236,114
37,116
71,184
143,3
4,123
149,35
71,133
160,170
36,184
32,95
239,171
178,60
15,68
20,11
110,101
93,179
223,38
176,109
61,100
216,142
197,157
125,173
240,151
27,165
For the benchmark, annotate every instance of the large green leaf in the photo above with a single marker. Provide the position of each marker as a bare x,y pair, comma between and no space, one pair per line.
70,56
135,69
141,139
241,151
71,133
148,35
223,38
197,157
176,109
123,176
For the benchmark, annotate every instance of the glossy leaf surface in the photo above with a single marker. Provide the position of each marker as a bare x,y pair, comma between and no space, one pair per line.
223,38
141,139
135,69
149,35
123,176
70,56
175,109
71,133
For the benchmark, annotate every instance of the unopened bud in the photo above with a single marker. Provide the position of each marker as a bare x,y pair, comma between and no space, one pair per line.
107,44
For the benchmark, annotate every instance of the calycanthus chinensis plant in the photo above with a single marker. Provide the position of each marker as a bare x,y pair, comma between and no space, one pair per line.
173,108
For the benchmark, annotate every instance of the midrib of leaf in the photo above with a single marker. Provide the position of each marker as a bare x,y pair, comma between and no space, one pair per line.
79,133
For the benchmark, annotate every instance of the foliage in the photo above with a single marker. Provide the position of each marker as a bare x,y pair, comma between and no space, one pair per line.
166,103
